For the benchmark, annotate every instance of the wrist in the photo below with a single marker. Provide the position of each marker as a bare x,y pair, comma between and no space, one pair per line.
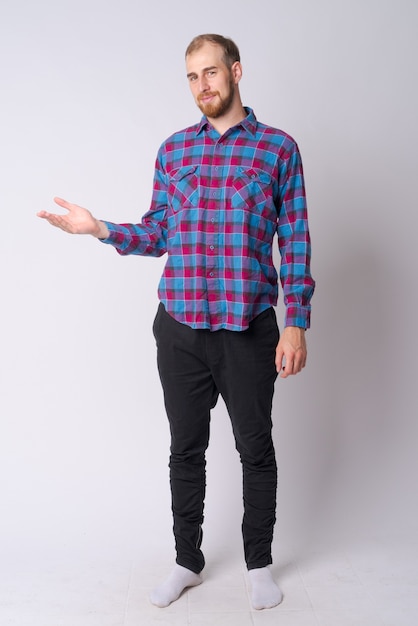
101,231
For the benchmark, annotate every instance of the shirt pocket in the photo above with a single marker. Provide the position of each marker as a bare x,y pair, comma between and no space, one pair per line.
252,190
183,188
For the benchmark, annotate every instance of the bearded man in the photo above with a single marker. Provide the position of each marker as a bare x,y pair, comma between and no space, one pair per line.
222,190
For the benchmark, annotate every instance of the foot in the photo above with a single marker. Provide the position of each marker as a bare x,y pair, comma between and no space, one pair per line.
172,588
265,594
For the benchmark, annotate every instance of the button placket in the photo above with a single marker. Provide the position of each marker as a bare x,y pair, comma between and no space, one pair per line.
215,195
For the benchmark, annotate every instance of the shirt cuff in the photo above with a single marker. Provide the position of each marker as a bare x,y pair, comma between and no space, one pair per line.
113,238
298,316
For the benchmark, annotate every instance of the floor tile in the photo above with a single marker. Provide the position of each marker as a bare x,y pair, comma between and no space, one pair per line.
339,597
139,604
399,617
40,619
220,619
287,574
212,599
295,599
349,618
285,618
159,617
66,590
386,563
98,619
326,569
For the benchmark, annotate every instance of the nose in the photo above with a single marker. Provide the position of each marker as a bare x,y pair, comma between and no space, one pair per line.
203,84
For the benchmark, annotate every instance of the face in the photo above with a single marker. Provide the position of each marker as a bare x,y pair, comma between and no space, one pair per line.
212,83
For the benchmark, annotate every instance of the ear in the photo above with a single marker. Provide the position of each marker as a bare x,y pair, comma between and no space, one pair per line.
236,70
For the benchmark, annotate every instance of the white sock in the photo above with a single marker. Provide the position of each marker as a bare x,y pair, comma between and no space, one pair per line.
172,588
265,594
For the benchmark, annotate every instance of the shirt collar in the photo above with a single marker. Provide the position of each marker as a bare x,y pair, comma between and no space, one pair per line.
249,123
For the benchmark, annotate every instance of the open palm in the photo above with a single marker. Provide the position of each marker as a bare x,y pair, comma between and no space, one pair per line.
78,221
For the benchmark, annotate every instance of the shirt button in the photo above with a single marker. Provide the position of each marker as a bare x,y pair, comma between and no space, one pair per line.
210,273
212,247
212,220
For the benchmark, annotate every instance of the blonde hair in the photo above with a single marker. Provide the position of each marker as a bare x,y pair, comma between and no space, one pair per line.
230,49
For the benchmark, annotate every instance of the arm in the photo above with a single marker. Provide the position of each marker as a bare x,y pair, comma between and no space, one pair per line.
145,238
297,282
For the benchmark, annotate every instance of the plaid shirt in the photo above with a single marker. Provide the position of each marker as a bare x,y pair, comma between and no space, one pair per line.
217,203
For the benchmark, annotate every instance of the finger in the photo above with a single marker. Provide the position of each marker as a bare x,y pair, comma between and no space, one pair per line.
59,221
302,360
46,216
284,373
297,364
287,368
63,203
294,365
279,360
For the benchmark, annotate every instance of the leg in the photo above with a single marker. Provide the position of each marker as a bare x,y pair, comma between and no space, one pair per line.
245,377
189,395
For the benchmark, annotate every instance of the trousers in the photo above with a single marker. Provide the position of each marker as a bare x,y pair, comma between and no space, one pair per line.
195,367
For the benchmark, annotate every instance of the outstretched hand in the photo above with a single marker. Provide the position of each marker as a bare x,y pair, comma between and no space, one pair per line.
78,221
291,351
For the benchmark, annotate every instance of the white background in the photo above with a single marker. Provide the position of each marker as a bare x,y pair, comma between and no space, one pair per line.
89,90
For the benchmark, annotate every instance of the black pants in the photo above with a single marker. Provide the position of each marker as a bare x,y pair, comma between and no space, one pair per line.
196,366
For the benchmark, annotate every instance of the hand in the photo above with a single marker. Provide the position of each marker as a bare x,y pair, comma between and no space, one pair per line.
291,351
78,221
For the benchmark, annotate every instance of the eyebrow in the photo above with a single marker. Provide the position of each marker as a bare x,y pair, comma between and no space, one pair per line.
205,69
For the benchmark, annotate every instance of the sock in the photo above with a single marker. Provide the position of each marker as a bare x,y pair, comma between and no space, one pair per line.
265,594
172,588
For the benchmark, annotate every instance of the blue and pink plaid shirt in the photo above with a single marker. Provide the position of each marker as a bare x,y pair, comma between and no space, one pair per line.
217,203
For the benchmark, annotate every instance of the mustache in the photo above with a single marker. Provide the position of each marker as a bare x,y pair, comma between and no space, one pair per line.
207,94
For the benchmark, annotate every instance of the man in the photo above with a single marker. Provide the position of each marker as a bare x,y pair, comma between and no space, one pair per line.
222,189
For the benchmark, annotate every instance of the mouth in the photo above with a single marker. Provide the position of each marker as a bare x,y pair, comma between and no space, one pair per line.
207,97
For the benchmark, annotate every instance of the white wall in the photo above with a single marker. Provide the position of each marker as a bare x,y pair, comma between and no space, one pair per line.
89,89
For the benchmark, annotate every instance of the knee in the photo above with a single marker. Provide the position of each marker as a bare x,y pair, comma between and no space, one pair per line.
258,457
192,458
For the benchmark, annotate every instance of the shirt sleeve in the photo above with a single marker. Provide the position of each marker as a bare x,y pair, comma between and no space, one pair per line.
294,243
149,237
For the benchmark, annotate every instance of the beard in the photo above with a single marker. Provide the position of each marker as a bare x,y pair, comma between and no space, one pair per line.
221,106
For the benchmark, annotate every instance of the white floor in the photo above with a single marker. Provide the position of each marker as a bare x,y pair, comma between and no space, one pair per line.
371,583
